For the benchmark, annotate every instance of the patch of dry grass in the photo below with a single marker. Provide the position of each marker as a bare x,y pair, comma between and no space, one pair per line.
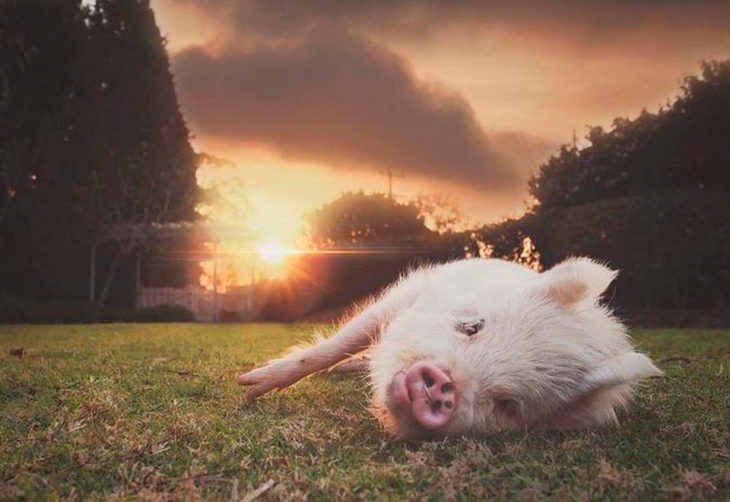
150,412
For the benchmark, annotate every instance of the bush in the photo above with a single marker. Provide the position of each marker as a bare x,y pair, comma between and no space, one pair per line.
672,248
16,309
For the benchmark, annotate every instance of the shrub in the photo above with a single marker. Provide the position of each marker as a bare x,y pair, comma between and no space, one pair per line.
672,248
16,309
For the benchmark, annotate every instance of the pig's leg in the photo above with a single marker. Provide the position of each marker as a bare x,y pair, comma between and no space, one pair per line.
354,366
356,335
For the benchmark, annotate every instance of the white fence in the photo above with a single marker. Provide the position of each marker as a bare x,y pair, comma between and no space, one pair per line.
203,303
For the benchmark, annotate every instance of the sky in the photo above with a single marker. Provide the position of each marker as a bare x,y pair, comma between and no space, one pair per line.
311,98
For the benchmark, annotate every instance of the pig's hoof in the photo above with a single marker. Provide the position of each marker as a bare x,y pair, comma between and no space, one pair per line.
262,380
255,382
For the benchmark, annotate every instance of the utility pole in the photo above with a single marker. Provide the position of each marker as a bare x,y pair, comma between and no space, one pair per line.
390,174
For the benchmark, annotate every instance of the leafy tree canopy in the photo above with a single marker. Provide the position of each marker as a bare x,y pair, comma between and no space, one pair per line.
365,219
91,138
683,145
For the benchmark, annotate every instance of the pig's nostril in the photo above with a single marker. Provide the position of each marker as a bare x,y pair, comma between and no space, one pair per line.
448,404
447,388
436,405
428,380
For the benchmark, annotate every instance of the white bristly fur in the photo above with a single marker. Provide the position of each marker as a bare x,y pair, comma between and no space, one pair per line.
548,354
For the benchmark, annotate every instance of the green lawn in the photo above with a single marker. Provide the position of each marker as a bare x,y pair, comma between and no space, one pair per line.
151,411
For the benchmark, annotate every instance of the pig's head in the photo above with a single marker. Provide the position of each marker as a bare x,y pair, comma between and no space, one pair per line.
540,353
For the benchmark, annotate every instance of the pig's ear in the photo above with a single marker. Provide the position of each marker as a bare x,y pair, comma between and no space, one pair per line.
576,279
623,369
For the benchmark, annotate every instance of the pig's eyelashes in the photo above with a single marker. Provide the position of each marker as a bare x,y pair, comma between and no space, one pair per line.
470,328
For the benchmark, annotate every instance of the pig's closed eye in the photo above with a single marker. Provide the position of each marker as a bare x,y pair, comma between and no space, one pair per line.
471,327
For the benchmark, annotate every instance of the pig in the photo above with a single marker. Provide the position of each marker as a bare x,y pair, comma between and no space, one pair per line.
478,346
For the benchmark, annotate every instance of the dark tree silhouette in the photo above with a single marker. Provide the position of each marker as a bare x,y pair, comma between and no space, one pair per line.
684,145
141,168
359,219
40,44
96,140
650,197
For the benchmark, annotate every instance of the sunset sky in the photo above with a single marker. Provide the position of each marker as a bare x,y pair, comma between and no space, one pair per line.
312,98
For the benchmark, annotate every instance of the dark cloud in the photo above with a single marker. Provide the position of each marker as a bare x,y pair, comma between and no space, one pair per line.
581,24
339,99
524,151
307,79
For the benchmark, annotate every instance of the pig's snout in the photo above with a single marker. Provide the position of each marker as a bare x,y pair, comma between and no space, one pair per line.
426,393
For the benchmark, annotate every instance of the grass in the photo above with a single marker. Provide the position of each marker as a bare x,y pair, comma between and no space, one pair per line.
150,412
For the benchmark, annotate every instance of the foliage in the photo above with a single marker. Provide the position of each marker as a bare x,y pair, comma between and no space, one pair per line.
15,309
440,212
95,140
650,198
151,412
509,240
39,47
684,145
365,219
672,248
366,242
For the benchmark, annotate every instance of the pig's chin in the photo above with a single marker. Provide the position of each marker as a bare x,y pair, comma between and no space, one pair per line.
396,416
398,400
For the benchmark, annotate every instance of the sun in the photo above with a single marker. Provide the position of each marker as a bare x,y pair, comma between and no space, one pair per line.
271,252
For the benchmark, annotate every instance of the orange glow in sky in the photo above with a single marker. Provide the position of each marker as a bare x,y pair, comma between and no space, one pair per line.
528,82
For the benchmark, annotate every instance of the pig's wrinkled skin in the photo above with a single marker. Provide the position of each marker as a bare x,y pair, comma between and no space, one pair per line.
483,345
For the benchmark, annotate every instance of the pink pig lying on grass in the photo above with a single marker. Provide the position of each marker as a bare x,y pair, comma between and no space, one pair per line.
483,345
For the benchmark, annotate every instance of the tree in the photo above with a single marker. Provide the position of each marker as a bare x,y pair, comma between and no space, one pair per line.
359,219
40,44
39,47
511,240
682,146
141,167
91,140
650,198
